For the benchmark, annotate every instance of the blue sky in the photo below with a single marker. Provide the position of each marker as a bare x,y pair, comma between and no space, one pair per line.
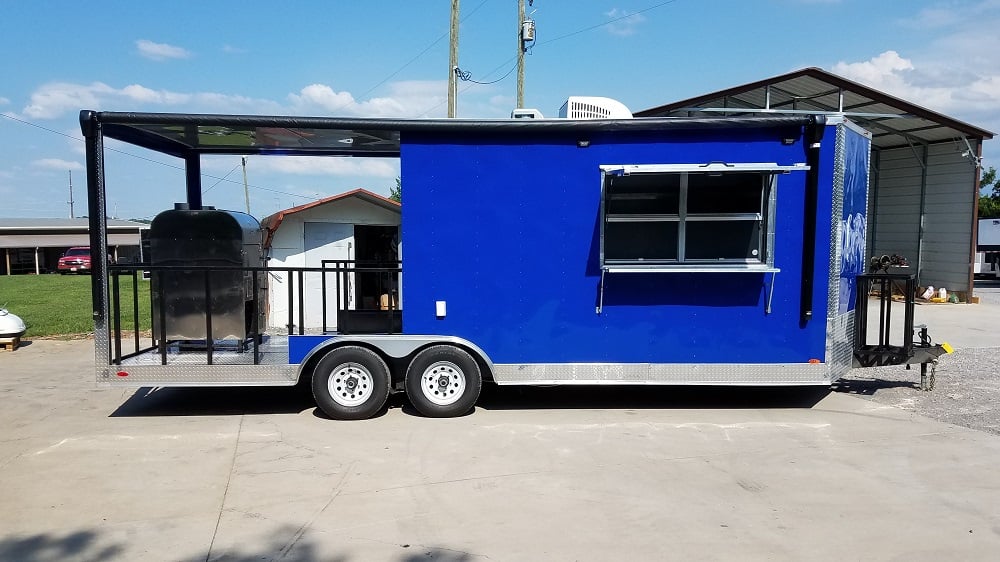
390,58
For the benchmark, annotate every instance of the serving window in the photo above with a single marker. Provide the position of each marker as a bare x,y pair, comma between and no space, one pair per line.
708,217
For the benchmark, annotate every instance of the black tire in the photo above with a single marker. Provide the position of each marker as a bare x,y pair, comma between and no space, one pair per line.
443,381
351,383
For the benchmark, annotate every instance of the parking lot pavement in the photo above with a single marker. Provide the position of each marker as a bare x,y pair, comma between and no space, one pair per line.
89,473
961,325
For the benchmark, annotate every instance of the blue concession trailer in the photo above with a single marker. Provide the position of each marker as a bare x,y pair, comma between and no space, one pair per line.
702,251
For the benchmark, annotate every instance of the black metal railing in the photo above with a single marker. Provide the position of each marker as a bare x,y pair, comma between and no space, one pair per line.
884,351
336,278
353,317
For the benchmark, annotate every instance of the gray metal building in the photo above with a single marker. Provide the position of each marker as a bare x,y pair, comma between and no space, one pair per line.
925,165
35,245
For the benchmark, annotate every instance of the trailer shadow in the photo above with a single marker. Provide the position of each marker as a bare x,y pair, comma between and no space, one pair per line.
296,400
648,397
215,401
868,387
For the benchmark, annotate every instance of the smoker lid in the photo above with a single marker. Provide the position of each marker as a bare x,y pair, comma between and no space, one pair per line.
202,223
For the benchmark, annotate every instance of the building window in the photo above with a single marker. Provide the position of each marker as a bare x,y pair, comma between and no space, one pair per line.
711,217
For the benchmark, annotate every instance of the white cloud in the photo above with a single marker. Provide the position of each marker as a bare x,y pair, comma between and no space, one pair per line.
947,88
54,99
56,164
58,98
4,101
160,51
884,71
412,98
622,23
321,166
933,18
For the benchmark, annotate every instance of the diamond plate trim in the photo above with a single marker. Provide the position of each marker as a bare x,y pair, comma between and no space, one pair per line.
840,328
205,375
772,374
102,352
190,368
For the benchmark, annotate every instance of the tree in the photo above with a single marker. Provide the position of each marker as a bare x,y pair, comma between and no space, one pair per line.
396,193
989,204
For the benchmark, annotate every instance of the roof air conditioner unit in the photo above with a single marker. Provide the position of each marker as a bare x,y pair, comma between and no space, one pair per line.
588,107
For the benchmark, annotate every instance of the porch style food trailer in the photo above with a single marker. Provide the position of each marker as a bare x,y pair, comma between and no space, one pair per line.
695,251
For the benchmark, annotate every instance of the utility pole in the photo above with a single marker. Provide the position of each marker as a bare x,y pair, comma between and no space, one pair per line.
525,35
71,215
520,53
246,189
453,61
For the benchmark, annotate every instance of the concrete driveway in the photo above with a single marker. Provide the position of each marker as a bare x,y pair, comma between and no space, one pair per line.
89,473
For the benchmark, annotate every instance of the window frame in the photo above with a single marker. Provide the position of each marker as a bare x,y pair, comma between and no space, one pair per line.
765,218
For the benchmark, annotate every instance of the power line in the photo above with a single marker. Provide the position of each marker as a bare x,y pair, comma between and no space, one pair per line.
553,40
609,22
467,76
413,60
204,191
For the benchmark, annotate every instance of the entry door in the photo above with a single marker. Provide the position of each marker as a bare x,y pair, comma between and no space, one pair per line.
327,241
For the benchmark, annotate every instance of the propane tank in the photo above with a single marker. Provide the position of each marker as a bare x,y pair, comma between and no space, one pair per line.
11,325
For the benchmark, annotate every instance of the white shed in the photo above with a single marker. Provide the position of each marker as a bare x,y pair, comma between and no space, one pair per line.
355,227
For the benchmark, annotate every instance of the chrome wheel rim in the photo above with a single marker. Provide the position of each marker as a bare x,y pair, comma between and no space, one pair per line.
443,383
350,384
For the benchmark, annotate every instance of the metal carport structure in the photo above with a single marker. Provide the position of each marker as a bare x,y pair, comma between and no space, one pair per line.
925,165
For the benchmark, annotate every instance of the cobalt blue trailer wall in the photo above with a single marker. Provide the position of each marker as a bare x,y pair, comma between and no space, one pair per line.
506,231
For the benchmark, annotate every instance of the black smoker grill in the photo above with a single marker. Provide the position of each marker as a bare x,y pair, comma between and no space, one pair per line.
197,256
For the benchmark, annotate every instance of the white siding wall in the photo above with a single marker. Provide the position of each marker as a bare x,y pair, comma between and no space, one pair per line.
944,259
897,204
948,208
288,250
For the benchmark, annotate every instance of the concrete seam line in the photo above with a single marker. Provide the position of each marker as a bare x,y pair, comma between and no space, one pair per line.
307,525
225,493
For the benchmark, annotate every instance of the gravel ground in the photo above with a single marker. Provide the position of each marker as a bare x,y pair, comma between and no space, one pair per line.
967,389
966,393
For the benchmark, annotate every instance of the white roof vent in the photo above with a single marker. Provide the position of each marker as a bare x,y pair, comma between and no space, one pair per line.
526,113
590,107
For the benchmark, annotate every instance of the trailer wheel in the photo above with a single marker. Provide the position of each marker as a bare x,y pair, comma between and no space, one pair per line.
443,381
351,383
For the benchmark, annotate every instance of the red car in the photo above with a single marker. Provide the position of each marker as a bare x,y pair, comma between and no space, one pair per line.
75,260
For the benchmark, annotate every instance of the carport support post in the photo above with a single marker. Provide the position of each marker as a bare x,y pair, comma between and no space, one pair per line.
7,252
38,269
975,221
923,211
93,135
192,169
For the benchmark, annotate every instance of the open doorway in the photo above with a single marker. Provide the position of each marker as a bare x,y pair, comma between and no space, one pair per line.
377,247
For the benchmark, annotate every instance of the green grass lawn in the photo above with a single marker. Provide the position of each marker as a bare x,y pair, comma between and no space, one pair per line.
60,305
